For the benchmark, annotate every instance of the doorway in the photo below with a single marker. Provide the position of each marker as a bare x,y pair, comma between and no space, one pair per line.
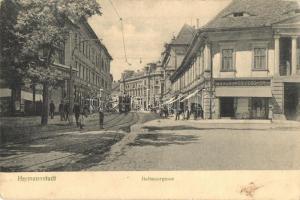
285,56
227,107
291,100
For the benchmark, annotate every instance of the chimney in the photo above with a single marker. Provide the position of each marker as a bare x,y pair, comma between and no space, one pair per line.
197,23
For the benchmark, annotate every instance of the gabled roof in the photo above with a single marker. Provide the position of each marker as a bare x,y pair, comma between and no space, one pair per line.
180,50
257,13
184,38
185,35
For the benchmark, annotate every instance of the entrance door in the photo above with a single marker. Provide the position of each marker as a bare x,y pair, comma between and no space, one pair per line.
285,56
291,100
227,107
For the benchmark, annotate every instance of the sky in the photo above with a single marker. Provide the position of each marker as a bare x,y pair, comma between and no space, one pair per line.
148,25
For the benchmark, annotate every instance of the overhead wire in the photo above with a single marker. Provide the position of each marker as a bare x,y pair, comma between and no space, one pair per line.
122,30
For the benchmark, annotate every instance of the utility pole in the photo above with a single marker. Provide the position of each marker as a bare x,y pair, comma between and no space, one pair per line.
71,85
148,89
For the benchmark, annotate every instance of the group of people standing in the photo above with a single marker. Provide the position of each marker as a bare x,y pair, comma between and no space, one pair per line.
63,109
185,114
164,112
80,112
182,113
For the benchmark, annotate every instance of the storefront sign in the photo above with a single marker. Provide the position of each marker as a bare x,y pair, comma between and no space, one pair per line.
243,83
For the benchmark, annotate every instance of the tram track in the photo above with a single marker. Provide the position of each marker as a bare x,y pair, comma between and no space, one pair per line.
59,134
134,118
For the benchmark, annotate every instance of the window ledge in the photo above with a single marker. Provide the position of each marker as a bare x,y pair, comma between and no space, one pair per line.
228,70
260,70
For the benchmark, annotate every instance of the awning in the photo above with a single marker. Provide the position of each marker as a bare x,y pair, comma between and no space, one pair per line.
259,91
5,92
177,99
29,96
168,102
190,95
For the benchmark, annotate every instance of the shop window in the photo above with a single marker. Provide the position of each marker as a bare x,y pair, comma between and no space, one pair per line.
83,72
259,59
61,56
86,74
227,60
227,106
298,58
76,66
83,48
79,66
75,38
259,108
79,43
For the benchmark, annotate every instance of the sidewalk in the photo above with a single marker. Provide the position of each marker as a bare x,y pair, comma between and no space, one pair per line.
20,129
222,123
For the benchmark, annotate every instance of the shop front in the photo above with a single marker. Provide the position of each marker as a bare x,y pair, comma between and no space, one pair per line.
194,103
244,102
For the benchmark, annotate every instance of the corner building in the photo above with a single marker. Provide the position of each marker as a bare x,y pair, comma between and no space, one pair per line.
145,87
244,64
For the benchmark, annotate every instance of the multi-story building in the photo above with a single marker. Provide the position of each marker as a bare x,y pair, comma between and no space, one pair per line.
145,87
244,63
115,93
83,61
173,55
91,59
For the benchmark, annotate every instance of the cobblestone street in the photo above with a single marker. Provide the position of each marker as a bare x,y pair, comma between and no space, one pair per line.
65,149
208,146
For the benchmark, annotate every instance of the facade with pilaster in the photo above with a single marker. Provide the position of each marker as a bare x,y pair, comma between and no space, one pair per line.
173,55
244,64
84,63
92,82
145,87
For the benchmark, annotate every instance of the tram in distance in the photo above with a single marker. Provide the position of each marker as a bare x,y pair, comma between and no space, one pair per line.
124,104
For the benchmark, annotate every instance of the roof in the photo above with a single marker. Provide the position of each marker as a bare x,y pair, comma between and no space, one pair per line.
90,29
184,38
115,86
258,13
185,35
181,50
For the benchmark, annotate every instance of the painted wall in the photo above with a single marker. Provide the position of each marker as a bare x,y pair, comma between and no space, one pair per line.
243,61
243,53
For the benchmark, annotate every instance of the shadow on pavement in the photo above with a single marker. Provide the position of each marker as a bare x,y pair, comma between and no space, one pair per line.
158,139
91,148
157,128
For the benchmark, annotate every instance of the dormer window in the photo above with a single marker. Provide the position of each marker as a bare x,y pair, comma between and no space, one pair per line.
293,12
238,14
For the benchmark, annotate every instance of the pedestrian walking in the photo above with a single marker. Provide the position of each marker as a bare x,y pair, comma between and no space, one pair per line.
187,113
201,112
52,109
61,111
195,112
177,114
165,109
271,112
182,114
76,110
66,111
101,118
83,115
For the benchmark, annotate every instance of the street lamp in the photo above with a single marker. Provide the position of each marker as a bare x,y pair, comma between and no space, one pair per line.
100,102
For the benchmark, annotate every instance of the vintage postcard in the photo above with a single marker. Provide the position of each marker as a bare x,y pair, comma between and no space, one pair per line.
150,99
